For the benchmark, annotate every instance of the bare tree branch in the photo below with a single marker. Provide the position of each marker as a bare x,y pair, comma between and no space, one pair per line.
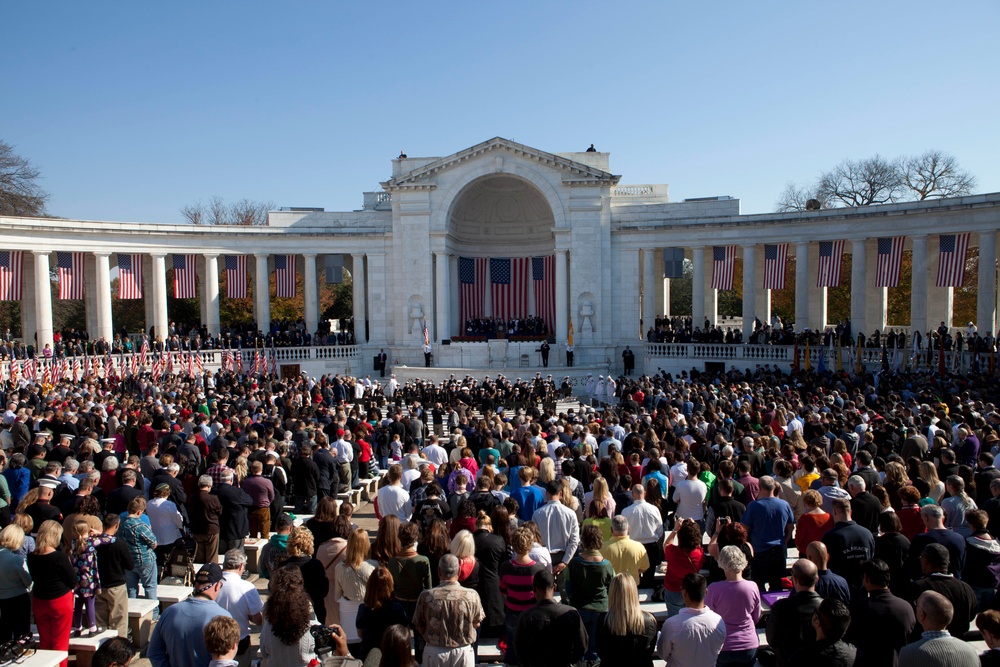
797,198
245,212
218,214
194,213
936,174
20,193
874,180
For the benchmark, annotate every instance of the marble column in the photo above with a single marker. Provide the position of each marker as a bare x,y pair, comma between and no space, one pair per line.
698,287
358,284
262,294
105,326
454,284
816,303
749,289
940,300
28,322
859,285
310,294
160,320
666,297
801,286
43,301
648,292
918,285
987,293
90,293
442,297
562,294
210,294
877,298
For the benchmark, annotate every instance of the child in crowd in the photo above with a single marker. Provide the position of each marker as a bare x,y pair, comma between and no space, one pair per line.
222,638
84,551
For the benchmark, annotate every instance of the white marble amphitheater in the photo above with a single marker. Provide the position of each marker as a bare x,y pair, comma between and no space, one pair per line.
599,246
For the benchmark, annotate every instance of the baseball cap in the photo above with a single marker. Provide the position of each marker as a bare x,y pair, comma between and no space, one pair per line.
209,575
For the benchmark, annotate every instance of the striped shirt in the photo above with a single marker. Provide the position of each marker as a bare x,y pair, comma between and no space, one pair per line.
516,584
140,540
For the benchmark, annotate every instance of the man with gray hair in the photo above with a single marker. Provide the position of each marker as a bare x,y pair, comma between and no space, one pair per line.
865,508
447,617
830,489
936,533
204,511
234,522
625,554
240,598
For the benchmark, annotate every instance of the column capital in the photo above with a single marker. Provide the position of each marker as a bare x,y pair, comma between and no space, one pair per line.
102,253
158,254
211,255
312,255
262,255
355,255
41,253
802,244
914,237
748,246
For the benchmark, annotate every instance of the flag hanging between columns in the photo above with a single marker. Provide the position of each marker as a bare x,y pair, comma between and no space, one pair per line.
129,276
890,258
543,279
11,268
236,276
951,260
831,256
472,295
184,277
723,262
509,278
775,259
69,269
284,274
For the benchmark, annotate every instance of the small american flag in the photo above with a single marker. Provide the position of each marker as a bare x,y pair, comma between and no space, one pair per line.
472,281
95,366
890,259
427,340
284,275
69,270
509,278
46,372
199,363
190,363
831,255
109,366
157,370
274,361
30,370
775,259
185,271
723,265
76,369
227,360
15,370
144,352
170,363
11,268
122,366
236,276
951,261
129,276
239,361
258,363
134,364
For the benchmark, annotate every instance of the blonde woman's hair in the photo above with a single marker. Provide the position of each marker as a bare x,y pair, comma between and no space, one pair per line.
81,530
566,496
462,545
12,537
600,490
49,535
546,471
928,473
358,548
300,542
624,616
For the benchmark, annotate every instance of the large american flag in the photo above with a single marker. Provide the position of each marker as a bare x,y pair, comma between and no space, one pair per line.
284,275
236,276
831,255
723,262
472,280
69,270
890,258
775,259
951,261
11,268
185,271
129,276
543,277
509,278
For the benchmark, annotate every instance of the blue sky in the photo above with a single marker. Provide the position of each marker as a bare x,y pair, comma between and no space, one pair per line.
133,109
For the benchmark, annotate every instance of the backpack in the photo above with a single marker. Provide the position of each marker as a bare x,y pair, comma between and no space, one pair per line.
178,566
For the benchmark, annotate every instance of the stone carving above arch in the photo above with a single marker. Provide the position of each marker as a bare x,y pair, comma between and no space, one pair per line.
502,210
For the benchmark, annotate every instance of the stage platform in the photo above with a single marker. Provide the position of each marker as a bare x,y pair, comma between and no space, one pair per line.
577,374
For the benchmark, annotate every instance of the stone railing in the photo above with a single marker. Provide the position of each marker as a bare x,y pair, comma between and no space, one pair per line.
377,201
641,193
211,359
784,355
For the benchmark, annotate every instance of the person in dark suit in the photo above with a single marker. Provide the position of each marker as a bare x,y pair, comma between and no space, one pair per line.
549,634
234,523
491,550
382,359
865,508
545,354
934,564
789,627
881,623
936,533
119,499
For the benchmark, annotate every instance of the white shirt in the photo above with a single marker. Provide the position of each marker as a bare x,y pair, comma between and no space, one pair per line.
436,454
343,452
678,473
241,599
692,638
164,520
409,476
645,524
606,444
689,495
394,499
559,528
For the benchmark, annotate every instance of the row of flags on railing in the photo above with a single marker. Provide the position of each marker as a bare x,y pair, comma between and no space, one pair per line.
952,251
118,367
70,274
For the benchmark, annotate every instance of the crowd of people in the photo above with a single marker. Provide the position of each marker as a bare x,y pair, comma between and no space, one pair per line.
497,327
501,516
